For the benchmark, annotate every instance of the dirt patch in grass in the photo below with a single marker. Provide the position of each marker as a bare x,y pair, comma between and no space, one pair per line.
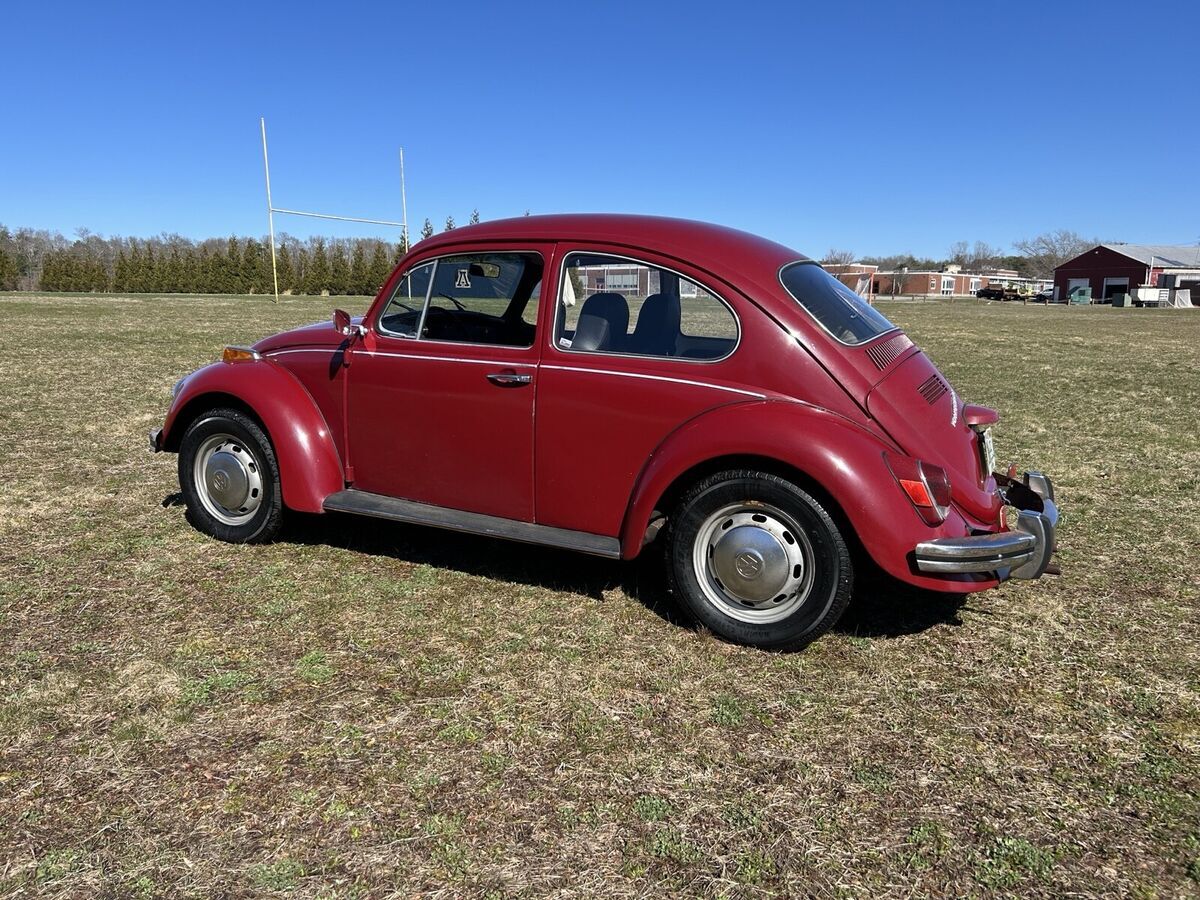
360,710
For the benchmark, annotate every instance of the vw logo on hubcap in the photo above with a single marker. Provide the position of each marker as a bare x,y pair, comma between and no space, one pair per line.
748,565
220,481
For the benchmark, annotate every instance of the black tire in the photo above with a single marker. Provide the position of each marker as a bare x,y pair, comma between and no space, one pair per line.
249,452
815,592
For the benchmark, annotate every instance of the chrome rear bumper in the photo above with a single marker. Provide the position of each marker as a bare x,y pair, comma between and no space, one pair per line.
154,438
1023,552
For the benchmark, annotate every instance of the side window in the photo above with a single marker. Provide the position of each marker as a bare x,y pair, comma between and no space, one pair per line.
484,298
614,305
402,315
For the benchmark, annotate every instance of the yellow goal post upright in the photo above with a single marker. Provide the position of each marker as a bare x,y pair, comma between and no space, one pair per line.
272,209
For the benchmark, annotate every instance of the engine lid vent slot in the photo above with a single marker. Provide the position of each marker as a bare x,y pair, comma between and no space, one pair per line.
883,354
932,389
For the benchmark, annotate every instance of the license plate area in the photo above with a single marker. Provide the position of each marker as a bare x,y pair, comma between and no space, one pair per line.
987,451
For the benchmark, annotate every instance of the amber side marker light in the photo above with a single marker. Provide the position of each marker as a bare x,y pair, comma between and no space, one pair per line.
239,354
926,485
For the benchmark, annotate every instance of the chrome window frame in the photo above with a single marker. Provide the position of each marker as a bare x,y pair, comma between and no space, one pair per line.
379,329
809,313
554,335
436,260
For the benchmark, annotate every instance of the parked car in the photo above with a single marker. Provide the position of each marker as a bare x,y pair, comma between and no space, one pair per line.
1046,295
998,292
608,384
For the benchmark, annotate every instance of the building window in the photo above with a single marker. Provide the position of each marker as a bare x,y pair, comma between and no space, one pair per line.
947,285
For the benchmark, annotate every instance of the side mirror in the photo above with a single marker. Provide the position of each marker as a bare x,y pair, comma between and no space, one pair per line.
341,321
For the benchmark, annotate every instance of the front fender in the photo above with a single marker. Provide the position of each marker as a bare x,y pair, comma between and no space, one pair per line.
309,466
842,457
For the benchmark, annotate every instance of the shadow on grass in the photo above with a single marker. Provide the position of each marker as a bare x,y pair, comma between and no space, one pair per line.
885,607
881,607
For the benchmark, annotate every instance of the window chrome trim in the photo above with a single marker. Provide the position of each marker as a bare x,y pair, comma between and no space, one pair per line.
436,260
641,262
808,312
379,329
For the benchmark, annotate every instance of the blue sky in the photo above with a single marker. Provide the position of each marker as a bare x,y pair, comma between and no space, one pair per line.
878,127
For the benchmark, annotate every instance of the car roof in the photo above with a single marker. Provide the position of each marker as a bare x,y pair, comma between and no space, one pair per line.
728,253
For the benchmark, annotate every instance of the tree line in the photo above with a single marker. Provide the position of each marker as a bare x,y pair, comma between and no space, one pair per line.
1035,257
41,260
45,261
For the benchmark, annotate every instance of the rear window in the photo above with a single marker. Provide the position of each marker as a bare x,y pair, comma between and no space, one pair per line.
840,311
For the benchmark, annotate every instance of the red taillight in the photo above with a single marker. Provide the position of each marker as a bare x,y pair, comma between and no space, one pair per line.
927,486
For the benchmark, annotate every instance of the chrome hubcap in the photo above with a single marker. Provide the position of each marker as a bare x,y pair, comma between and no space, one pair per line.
753,562
228,479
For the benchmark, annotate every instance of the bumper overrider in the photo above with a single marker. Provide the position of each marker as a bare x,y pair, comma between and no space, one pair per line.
1023,552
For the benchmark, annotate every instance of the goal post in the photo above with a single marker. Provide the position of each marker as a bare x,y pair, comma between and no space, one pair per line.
272,209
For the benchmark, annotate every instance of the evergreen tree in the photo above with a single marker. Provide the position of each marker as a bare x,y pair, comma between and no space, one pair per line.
203,272
8,271
302,261
149,272
133,278
360,278
449,223
256,268
379,271
234,282
339,271
474,220
286,269
191,278
173,276
317,278
121,272
427,230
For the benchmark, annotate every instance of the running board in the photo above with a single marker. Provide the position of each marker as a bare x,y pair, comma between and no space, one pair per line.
380,507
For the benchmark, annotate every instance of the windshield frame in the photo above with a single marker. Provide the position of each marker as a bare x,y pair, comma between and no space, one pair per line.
811,315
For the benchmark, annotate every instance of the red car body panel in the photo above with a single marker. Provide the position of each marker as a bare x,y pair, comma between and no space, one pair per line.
309,465
594,440
427,425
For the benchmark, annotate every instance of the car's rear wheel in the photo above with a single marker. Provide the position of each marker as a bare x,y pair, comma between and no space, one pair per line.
758,560
229,478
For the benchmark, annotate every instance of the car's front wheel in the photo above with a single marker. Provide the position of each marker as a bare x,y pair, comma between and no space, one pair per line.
229,478
758,560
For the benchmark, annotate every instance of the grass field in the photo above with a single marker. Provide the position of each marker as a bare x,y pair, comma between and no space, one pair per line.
366,710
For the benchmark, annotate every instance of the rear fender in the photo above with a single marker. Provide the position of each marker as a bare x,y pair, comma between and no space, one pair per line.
844,458
309,466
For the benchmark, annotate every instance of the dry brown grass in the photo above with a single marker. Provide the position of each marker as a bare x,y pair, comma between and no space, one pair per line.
365,710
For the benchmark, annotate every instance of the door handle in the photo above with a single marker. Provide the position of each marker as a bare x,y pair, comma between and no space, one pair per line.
509,379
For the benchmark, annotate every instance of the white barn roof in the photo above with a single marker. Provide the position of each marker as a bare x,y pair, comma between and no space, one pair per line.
1162,255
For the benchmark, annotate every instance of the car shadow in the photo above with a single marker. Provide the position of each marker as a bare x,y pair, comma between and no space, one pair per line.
588,576
881,607
886,608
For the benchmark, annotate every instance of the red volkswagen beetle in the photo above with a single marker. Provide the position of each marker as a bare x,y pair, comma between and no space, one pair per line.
585,381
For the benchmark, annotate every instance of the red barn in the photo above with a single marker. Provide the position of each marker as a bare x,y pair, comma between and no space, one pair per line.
1110,269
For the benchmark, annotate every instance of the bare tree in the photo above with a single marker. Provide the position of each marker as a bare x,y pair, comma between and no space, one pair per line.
1048,251
835,257
973,258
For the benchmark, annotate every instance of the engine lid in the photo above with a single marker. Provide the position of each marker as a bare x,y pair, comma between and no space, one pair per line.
917,406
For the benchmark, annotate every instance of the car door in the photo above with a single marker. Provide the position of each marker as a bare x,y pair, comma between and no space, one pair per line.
638,347
440,394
